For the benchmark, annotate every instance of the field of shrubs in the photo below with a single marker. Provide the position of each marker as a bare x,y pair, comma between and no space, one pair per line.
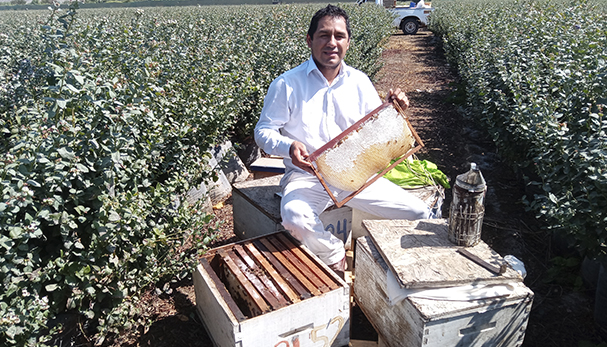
107,119
534,74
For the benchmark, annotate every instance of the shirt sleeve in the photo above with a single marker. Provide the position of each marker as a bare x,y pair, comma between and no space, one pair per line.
372,99
274,115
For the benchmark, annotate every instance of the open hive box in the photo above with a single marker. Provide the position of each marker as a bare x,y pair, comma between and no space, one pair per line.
362,153
270,291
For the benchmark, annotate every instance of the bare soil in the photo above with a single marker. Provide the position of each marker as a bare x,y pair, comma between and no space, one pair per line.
561,316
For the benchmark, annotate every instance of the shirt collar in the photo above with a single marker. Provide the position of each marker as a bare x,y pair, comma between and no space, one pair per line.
312,66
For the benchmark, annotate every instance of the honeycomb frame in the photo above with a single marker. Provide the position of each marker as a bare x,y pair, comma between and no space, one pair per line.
338,140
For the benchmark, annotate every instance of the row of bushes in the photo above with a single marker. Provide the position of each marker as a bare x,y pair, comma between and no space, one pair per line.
107,119
535,77
19,5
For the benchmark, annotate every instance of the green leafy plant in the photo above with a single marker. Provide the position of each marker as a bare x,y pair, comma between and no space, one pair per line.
107,121
565,271
535,78
94,177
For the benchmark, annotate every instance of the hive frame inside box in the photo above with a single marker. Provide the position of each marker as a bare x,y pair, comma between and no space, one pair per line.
329,145
321,315
417,322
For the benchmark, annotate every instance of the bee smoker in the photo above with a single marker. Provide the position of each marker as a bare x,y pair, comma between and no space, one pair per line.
467,208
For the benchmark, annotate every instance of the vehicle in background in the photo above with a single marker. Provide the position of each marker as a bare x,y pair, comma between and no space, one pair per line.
408,18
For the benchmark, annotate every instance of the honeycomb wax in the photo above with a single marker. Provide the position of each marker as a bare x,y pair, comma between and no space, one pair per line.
365,151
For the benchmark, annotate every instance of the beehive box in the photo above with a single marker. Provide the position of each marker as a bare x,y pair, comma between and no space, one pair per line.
269,291
267,167
256,210
435,323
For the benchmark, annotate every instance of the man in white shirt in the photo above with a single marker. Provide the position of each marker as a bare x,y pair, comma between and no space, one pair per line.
305,108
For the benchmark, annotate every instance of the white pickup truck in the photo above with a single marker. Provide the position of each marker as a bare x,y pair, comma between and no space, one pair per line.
410,19
407,19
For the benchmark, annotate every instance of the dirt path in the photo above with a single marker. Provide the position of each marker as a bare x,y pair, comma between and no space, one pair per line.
415,64
560,315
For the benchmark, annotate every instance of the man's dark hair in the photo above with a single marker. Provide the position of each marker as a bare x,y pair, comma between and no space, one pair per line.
331,11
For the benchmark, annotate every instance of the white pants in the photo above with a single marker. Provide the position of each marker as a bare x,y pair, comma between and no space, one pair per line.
304,199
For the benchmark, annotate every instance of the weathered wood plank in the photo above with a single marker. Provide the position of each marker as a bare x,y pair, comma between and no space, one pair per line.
223,292
363,343
283,286
324,266
420,255
256,282
303,268
223,325
249,220
242,287
277,300
262,193
292,268
318,271
283,271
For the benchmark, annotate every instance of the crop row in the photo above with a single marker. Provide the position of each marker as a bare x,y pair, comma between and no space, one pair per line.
535,77
107,119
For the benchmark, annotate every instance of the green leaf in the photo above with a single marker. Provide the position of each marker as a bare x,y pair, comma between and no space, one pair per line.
114,216
15,232
61,103
82,168
6,242
77,76
552,197
66,153
72,88
34,183
44,213
51,287
13,331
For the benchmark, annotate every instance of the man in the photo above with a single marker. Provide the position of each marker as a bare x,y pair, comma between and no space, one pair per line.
305,108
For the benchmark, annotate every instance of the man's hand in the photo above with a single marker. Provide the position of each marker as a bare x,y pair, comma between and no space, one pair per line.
299,153
400,97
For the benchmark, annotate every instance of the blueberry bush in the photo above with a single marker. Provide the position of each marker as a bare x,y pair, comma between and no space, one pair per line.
107,117
535,76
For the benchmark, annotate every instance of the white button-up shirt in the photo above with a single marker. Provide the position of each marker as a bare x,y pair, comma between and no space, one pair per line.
301,105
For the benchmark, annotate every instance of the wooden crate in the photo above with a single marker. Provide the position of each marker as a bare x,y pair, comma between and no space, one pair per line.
436,323
256,210
420,255
431,195
269,291
266,167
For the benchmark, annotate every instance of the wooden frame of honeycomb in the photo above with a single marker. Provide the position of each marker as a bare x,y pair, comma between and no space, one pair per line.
351,161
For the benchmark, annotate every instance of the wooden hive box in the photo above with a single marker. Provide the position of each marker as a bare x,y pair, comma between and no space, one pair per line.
267,167
269,291
434,323
256,210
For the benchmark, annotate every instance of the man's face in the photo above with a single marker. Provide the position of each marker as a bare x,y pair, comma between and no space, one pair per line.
330,43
